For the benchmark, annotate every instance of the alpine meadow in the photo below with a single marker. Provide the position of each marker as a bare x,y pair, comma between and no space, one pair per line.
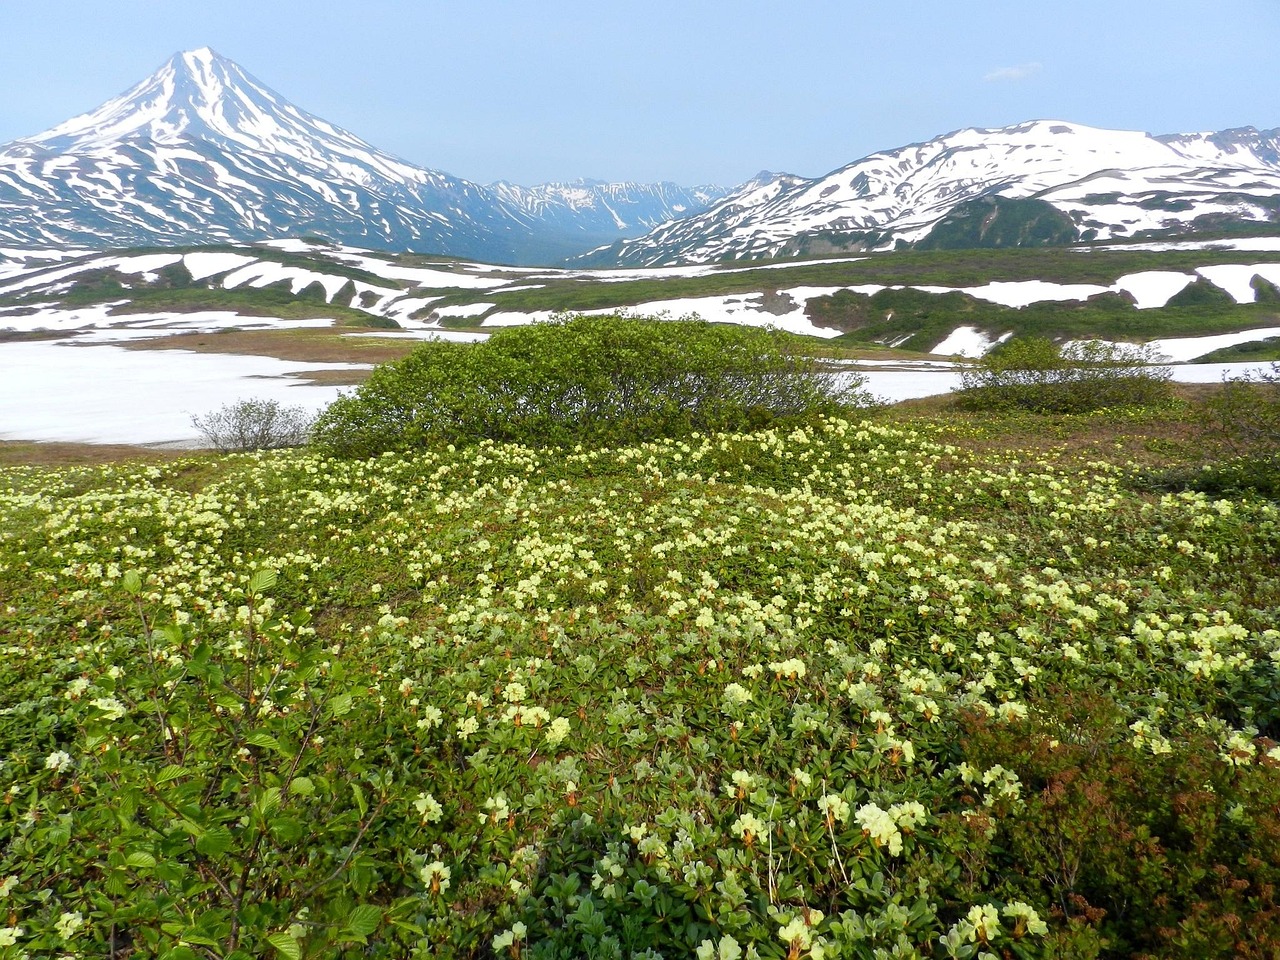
905,682
882,564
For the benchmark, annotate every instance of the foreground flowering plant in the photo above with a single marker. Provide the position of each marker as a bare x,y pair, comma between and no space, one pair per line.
850,690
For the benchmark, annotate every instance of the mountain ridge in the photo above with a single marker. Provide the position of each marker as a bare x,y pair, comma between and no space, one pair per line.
1111,183
202,149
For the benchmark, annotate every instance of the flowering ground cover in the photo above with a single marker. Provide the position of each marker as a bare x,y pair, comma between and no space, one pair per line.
895,687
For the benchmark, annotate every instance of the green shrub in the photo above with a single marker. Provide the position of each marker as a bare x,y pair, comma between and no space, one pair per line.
582,379
1247,411
1036,374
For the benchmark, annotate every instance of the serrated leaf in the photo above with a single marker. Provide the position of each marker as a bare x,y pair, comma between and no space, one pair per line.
169,773
341,705
286,945
287,830
214,842
131,583
361,803
269,800
170,632
140,860
302,786
363,920
264,740
261,581
200,939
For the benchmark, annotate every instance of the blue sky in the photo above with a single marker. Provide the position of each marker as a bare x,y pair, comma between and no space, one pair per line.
695,92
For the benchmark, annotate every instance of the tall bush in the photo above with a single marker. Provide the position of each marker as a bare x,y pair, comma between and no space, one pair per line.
579,379
1034,373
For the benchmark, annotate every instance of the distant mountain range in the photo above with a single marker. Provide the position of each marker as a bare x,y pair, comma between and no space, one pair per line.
1037,183
201,152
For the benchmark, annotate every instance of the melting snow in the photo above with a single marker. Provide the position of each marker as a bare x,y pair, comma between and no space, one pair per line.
265,272
201,265
465,310
420,276
1181,349
1235,278
1153,288
968,342
1022,293
107,394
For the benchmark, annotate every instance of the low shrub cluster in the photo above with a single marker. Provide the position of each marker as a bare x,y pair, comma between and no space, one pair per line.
1247,411
1245,415
1036,374
583,380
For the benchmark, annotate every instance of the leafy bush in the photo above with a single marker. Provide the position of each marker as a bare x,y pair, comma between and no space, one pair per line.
1246,415
254,425
1247,410
1036,374
1172,854
609,379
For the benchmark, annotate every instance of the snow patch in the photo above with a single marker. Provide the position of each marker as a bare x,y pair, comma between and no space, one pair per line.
1153,288
1235,278
1022,293
107,394
201,265
968,342
1181,349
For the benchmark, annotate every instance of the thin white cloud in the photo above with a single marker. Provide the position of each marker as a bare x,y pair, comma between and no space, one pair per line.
1013,74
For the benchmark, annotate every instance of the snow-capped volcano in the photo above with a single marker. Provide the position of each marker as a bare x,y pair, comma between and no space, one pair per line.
1100,184
202,95
202,151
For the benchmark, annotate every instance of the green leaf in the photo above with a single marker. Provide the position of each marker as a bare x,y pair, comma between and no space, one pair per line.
213,842
363,920
341,705
286,945
191,935
131,582
140,860
361,803
169,773
269,800
260,739
302,786
287,830
261,581
228,701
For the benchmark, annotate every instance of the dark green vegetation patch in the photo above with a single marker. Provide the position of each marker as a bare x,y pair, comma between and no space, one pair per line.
996,221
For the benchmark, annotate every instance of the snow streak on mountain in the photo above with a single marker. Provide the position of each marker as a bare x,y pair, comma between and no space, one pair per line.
202,152
1085,183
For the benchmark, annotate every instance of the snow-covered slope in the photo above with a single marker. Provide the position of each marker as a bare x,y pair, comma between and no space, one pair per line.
201,151
1111,183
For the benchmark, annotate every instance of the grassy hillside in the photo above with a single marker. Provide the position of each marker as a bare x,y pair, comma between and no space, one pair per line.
988,222
886,317
916,684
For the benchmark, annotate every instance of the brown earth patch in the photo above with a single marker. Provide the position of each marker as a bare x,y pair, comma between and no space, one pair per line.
307,346
16,453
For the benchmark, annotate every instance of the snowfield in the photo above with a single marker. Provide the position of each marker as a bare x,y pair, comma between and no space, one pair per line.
82,385
107,394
